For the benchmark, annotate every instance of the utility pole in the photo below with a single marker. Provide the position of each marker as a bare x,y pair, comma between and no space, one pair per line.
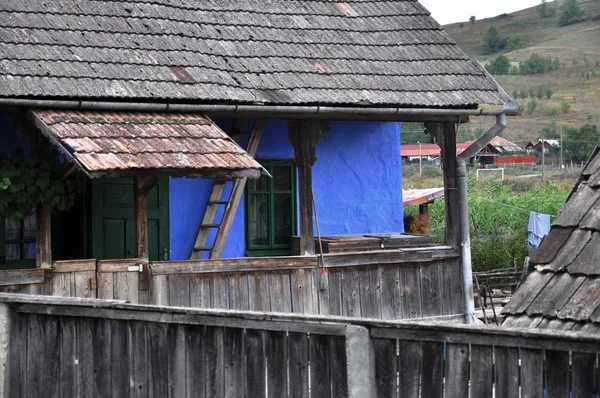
561,147
420,161
543,156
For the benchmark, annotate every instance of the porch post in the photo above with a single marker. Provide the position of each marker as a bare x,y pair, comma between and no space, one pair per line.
43,236
142,185
445,136
304,136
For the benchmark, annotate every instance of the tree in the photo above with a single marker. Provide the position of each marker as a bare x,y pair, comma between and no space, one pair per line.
499,66
472,19
570,13
552,131
493,42
579,143
545,10
514,43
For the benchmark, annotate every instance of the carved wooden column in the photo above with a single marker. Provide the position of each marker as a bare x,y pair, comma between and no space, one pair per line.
304,136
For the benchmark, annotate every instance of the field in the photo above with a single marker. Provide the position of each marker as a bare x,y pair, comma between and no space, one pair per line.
499,211
576,82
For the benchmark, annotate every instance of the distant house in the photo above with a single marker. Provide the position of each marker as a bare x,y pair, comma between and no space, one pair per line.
536,146
562,290
504,146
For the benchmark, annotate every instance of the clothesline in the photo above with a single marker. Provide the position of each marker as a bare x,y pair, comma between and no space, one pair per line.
511,206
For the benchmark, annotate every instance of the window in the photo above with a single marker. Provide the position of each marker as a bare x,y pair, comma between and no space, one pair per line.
17,243
271,210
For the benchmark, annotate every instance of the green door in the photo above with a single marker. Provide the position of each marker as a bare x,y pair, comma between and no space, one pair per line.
113,222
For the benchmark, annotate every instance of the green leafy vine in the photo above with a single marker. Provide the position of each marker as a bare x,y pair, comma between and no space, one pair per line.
27,179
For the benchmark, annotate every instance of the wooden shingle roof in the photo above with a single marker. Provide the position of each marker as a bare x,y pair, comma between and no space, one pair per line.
284,52
563,290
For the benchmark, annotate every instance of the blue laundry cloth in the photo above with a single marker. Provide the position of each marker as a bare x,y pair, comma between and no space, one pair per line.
537,228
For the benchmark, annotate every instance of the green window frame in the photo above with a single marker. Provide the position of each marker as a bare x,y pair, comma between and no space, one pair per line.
270,209
24,243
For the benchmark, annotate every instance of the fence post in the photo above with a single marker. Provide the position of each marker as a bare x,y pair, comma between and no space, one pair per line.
360,362
4,348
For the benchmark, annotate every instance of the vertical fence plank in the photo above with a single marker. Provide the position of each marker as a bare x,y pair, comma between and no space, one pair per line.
106,286
159,358
583,371
235,375
119,340
255,364
177,361
457,370
410,366
280,292
277,357
215,361
557,373
85,355
432,374
320,369
200,291
17,355
391,295
179,290
238,291
102,359
386,367
338,366
332,296
159,288
304,294
35,356
482,371
411,289
507,372
298,354
139,359
67,354
430,290
258,283
370,292
220,291
63,284
82,284
532,376
196,367
350,292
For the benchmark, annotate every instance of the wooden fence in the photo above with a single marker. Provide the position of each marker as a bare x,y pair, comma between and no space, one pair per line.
396,284
64,347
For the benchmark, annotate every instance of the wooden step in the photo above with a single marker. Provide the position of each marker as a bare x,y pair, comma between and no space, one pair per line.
210,226
203,249
218,202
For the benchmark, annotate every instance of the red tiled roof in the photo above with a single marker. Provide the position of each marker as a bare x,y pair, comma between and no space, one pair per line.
123,144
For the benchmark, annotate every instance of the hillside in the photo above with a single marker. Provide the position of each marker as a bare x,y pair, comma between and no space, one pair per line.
575,83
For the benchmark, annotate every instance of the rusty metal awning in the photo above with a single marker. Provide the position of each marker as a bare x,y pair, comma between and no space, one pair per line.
413,197
130,144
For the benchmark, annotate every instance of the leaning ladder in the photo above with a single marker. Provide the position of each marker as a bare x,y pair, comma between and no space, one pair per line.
215,201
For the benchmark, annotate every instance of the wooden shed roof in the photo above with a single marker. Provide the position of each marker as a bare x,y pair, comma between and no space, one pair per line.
127,144
563,290
284,52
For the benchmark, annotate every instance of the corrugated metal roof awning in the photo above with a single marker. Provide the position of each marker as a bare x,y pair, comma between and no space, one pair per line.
130,144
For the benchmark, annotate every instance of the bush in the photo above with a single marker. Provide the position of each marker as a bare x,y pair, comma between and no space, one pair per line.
565,107
472,19
579,143
546,11
493,42
536,64
432,172
515,42
570,13
499,66
531,105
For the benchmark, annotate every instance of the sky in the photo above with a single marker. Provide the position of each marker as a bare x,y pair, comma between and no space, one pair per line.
449,11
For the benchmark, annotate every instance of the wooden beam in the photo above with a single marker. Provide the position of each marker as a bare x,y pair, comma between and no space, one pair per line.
304,136
43,236
142,185
445,137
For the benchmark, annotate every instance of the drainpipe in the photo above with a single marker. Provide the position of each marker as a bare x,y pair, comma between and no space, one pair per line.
463,208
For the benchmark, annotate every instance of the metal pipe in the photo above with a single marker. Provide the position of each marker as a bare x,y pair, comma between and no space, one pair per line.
463,208
394,113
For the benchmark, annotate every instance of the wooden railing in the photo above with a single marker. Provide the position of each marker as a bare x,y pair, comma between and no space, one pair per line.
397,284
52,346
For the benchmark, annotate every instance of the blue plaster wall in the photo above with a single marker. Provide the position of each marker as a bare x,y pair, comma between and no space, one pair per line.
357,180
8,136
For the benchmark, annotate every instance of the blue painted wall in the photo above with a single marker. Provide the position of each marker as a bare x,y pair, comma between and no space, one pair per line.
9,139
357,181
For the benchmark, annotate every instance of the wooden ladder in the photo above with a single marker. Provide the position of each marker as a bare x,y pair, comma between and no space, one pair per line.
231,204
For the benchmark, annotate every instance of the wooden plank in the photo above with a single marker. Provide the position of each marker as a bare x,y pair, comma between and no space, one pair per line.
386,367
431,304
350,292
121,265
43,235
159,289
258,289
196,368
277,366
141,187
392,300
411,289
410,366
106,289
255,364
101,340
74,266
21,277
178,361
208,218
239,291
85,358
215,362
235,372
200,291
139,359
532,378
336,345
507,372
583,373
64,285
119,354
432,374
304,292
69,357
126,286
158,344
320,366
17,372
451,283
557,373
34,386
457,370
220,291
370,292
298,363
280,291
83,284
482,371
5,333
179,291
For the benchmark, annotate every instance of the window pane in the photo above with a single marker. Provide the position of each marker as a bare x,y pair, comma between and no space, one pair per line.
281,179
29,249
262,184
13,251
259,220
283,219
13,230
29,227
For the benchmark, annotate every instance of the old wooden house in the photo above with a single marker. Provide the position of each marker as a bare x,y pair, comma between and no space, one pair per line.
208,133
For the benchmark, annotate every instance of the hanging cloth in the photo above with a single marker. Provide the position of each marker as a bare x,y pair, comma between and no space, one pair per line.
537,228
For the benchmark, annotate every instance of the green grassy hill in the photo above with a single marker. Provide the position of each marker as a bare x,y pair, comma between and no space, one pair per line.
576,82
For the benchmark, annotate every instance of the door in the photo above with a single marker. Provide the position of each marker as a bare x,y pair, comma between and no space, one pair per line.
113,222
